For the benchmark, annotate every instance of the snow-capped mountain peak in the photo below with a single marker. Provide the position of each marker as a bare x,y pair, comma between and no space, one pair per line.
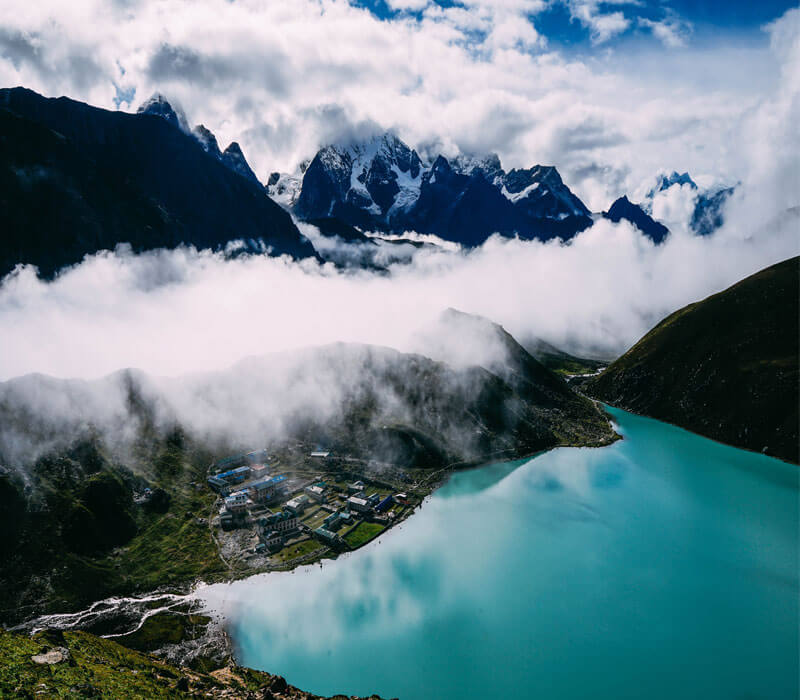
487,166
542,186
382,184
378,176
284,188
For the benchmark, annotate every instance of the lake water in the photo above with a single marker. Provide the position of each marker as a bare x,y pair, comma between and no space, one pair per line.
664,566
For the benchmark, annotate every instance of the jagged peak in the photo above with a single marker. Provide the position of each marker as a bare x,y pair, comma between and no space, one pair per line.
623,208
207,140
441,165
387,143
467,164
383,177
156,101
233,158
548,174
666,180
158,105
234,149
623,200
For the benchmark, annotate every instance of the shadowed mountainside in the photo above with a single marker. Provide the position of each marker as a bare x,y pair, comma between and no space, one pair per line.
76,179
725,367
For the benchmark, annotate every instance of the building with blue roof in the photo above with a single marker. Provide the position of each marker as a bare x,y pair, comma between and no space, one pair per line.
218,485
385,504
234,476
267,489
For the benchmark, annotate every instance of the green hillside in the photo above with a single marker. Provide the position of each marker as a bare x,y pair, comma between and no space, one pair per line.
80,665
725,367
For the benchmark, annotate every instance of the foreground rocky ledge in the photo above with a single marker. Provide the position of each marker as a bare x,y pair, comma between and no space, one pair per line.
55,664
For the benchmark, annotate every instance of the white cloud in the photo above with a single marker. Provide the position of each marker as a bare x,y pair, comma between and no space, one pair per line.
602,25
671,31
268,74
674,206
409,5
183,311
281,78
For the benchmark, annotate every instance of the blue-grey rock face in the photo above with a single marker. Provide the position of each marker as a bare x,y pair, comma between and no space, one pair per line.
674,178
207,140
158,106
233,158
709,204
384,185
708,211
623,208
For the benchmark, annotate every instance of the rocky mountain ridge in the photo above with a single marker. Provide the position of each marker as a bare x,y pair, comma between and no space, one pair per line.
76,179
382,184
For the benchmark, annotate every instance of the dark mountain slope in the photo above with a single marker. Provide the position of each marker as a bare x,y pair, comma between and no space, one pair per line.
623,208
57,205
462,208
725,367
117,178
331,226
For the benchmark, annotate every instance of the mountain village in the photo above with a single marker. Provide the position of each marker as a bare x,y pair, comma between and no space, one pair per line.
275,515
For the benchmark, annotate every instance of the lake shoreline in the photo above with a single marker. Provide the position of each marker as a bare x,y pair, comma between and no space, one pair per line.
571,481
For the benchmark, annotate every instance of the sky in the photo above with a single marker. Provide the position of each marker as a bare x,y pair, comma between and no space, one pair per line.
609,92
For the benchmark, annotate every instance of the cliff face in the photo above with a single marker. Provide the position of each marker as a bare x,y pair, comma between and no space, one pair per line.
725,367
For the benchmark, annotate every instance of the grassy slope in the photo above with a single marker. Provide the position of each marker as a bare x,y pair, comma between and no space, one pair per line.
363,533
101,668
725,367
561,362
42,572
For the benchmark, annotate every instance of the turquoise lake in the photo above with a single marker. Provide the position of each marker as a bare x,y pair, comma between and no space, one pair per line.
664,566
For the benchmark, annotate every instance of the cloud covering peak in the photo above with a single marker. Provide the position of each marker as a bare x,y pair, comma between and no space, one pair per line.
476,76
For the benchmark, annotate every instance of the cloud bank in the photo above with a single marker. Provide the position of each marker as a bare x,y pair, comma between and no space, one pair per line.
186,311
284,78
